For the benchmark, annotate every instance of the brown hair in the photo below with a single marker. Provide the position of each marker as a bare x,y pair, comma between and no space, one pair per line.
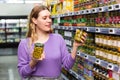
31,26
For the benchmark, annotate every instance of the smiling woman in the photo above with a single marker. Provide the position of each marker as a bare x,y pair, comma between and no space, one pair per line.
48,64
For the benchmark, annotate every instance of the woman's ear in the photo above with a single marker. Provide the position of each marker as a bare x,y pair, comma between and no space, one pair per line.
34,20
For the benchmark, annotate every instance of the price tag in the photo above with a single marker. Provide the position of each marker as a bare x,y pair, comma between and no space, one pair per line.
116,68
110,66
86,56
110,7
62,15
69,14
92,59
59,15
117,6
70,71
67,28
76,13
104,64
78,53
111,30
59,27
56,31
97,29
94,10
58,19
63,27
83,11
87,11
82,55
98,61
65,14
87,29
79,12
119,70
102,9
65,33
70,43
70,34
74,74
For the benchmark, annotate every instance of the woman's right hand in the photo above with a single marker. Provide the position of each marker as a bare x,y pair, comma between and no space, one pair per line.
39,59
34,61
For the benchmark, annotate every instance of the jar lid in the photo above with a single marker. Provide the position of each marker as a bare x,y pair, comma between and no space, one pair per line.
39,44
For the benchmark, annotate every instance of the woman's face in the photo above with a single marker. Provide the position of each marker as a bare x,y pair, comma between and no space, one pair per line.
44,21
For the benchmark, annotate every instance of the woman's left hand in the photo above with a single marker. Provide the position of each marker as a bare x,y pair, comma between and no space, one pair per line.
82,42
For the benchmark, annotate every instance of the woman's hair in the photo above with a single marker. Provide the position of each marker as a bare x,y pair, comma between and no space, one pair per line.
31,26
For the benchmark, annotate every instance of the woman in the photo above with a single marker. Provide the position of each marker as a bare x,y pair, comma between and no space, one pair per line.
55,55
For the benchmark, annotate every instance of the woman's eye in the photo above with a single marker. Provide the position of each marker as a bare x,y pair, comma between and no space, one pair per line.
44,18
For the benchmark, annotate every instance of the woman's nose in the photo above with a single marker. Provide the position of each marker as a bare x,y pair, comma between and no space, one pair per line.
49,20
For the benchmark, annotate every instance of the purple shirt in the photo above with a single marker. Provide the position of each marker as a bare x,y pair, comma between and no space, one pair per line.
56,57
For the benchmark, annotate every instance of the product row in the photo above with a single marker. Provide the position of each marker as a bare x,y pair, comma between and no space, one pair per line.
12,30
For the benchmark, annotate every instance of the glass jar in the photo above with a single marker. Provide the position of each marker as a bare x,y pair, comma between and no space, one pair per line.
38,50
79,34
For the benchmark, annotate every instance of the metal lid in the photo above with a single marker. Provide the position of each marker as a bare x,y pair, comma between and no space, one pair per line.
39,44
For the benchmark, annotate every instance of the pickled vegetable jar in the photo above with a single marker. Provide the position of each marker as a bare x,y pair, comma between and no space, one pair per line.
78,35
38,50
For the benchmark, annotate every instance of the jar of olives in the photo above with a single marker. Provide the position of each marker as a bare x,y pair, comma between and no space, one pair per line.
38,50
78,35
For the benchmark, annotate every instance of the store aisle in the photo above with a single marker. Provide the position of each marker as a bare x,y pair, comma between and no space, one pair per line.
8,68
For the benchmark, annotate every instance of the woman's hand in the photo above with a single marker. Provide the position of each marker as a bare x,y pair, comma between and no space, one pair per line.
39,59
34,61
77,44
82,42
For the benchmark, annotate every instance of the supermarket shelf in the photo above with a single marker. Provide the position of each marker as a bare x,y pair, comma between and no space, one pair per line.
102,63
90,11
70,28
8,45
76,75
115,31
101,30
12,28
64,77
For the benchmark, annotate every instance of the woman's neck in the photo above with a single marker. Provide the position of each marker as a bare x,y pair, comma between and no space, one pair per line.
42,37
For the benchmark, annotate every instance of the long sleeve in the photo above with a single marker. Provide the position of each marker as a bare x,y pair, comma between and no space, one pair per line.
24,59
67,60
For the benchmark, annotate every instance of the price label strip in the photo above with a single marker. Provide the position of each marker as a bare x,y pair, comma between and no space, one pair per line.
97,30
95,10
102,9
112,31
110,66
116,68
117,6
88,11
110,7
86,56
82,55
87,29
104,64
76,13
98,61
78,53
92,59
82,11
74,74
